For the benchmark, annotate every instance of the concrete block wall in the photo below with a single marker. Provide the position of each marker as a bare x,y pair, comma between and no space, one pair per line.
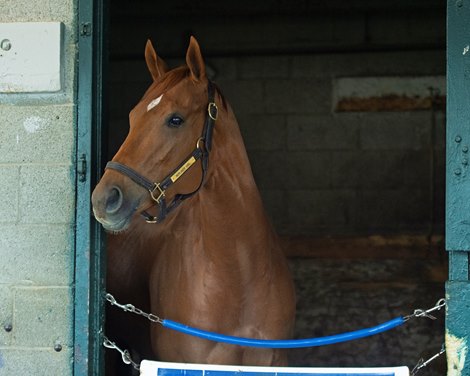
327,173
37,146
277,25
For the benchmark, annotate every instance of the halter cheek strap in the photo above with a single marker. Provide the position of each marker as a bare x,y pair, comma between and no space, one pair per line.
157,190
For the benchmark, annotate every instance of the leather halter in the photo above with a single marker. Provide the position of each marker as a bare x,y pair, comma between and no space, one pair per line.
157,189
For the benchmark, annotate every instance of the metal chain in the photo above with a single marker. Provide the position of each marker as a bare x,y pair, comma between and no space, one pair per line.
441,303
131,308
126,356
422,363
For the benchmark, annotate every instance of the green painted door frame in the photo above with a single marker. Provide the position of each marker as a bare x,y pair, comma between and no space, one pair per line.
458,187
89,258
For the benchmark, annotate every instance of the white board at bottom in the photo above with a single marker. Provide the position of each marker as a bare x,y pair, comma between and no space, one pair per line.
151,368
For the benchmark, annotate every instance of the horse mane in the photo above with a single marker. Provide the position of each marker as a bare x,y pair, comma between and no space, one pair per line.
222,97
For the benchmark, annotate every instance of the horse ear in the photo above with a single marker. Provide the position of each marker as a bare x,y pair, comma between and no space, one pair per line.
195,61
156,66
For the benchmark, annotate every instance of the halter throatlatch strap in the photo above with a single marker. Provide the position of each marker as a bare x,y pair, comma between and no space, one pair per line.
157,190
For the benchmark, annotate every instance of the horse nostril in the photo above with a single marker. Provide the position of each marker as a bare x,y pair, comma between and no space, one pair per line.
114,201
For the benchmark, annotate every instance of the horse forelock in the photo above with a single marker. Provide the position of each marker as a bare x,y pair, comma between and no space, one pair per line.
166,82
170,80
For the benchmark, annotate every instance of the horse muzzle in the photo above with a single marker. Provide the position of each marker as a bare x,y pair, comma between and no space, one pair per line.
112,208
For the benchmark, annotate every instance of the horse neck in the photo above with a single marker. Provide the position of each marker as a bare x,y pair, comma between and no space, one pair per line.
230,154
229,200
230,172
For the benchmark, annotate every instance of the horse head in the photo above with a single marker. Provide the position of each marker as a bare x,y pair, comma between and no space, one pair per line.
168,136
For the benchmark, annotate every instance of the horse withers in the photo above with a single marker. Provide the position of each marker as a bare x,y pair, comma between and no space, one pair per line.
189,239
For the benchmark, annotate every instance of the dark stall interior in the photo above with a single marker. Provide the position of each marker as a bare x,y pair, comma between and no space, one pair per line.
342,108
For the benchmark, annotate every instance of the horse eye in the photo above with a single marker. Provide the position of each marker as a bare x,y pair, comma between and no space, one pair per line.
175,121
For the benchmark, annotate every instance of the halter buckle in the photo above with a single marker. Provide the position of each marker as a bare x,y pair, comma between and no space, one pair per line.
213,110
160,195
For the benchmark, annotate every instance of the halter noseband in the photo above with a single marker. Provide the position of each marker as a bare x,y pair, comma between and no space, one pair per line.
157,190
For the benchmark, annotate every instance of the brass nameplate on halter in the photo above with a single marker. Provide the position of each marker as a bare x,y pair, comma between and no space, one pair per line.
183,169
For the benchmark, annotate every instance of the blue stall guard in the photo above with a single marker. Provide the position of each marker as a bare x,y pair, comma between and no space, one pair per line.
152,368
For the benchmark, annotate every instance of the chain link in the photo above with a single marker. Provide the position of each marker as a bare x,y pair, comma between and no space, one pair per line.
125,355
131,308
422,363
441,303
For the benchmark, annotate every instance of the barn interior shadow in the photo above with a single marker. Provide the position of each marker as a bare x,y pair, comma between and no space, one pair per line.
342,109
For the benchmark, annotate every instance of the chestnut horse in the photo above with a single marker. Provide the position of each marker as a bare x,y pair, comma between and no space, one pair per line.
210,258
